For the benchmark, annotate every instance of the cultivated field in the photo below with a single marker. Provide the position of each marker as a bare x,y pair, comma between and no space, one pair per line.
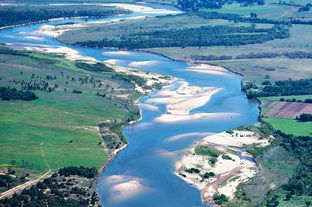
290,110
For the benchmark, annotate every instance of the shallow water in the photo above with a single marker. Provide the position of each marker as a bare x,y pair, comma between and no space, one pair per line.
142,175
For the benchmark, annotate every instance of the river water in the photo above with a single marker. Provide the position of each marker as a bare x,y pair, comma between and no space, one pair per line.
142,175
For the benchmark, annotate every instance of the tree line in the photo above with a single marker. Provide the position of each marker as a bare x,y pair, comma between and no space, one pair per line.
14,16
7,94
280,88
305,117
290,55
80,171
194,5
202,36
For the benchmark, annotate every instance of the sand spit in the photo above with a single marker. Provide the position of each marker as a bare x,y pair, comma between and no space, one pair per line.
55,31
209,69
142,9
123,187
69,53
180,99
184,99
34,38
233,166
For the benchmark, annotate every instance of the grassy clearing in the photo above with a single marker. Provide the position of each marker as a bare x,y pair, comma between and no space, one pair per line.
290,126
206,150
60,128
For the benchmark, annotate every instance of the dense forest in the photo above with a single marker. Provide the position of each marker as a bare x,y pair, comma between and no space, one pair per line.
7,93
194,5
13,15
279,88
202,36
61,189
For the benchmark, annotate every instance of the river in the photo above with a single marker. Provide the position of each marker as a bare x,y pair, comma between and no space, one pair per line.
143,174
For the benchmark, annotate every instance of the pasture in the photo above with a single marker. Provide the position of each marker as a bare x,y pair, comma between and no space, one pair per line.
291,126
61,127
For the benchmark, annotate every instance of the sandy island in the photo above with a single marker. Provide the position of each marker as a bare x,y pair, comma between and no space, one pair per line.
181,98
233,166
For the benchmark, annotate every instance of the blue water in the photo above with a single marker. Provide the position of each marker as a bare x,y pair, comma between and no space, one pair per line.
147,164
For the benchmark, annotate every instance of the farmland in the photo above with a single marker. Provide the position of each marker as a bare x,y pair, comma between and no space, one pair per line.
291,126
61,127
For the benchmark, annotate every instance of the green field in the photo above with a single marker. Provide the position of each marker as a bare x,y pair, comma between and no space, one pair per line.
60,128
290,126
277,98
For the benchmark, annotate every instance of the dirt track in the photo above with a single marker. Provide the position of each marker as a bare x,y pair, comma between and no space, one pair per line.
21,187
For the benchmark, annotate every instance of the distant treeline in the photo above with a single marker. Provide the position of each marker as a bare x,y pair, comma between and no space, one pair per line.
194,5
7,93
201,36
280,88
13,16
290,55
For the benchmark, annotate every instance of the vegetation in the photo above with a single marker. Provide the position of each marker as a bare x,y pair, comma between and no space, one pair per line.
195,5
192,170
206,150
202,36
279,88
290,55
58,190
80,171
220,198
291,126
13,15
46,142
284,164
305,117
208,175
7,93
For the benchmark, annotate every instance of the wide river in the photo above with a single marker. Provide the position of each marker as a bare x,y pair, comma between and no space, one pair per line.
142,175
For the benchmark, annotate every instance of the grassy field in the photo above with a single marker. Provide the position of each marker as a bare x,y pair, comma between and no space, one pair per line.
60,128
277,98
291,126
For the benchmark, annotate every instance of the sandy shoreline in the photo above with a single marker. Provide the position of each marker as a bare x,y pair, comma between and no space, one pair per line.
232,167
